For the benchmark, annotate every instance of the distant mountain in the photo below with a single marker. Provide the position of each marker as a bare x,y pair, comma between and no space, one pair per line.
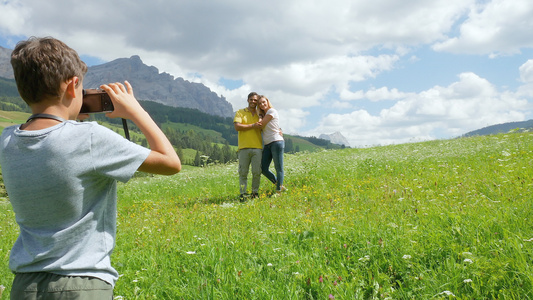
6,70
502,128
151,85
335,138
147,83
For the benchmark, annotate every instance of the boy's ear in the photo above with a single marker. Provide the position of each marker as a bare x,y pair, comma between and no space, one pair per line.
72,84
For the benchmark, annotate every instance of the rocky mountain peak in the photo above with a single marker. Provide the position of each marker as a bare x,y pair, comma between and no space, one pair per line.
147,83
151,85
6,70
335,138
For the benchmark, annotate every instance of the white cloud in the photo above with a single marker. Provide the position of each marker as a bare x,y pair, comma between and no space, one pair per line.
379,94
12,17
526,76
526,71
465,105
292,118
301,85
341,105
234,37
497,26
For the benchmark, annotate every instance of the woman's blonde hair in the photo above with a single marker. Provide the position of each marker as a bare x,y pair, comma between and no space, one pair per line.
259,110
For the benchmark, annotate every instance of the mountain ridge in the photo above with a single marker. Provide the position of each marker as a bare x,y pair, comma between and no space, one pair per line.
162,88
502,128
335,138
148,84
6,70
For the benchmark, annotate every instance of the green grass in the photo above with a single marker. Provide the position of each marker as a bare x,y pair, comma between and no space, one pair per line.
8,118
412,221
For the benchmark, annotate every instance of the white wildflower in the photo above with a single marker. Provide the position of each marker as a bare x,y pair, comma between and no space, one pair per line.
269,265
365,258
191,252
468,260
226,205
467,280
447,293
406,256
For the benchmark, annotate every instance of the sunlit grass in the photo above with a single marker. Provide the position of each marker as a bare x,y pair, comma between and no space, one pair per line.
415,221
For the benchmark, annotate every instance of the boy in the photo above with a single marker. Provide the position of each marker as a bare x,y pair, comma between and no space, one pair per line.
61,175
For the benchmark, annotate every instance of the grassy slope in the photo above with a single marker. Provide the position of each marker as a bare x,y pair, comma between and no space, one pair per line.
303,144
8,118
412,221
217,136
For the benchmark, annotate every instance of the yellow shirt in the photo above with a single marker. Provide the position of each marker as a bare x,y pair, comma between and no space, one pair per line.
248,138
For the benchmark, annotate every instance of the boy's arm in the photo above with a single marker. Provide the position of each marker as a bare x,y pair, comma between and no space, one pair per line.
162,159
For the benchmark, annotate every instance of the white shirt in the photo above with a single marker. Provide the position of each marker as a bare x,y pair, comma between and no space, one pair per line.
272,131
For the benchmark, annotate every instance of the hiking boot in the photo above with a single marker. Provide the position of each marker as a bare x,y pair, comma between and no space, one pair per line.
242,197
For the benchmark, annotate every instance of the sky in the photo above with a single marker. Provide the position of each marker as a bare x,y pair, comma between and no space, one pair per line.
379,72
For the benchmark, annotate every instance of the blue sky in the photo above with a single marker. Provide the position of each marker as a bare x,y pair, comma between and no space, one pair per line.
379,72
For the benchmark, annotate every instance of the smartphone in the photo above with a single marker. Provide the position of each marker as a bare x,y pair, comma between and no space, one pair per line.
96,101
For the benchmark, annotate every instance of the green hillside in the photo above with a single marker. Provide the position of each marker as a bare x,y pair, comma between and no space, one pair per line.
184,127
211,136
8,87
299,144
8,118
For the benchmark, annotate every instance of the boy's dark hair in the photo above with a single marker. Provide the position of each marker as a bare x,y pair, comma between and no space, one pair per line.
40,65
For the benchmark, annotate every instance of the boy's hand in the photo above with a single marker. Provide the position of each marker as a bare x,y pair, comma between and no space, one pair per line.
124,102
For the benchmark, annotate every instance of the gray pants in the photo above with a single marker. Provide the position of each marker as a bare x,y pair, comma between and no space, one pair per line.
48,286
247,157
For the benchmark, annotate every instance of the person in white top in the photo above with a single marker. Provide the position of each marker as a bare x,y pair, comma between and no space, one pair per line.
273,143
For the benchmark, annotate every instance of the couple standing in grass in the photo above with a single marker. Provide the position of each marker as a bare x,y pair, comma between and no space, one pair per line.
260,143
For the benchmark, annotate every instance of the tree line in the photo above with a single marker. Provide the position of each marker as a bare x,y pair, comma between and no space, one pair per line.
209,149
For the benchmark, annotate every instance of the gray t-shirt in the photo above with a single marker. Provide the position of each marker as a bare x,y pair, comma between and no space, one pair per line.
61,182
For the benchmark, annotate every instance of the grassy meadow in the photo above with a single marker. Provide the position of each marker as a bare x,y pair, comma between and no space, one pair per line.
447,219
